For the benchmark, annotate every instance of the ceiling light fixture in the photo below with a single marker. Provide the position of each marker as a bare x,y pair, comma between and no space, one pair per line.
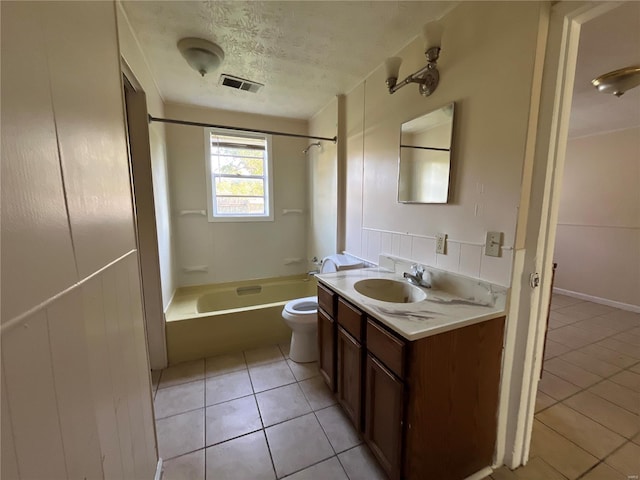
203,56
428,76
618,81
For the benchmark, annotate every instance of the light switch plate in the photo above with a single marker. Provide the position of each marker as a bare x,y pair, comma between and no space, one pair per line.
493,244
441,243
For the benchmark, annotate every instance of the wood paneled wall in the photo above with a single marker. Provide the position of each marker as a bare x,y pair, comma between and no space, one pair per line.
76,397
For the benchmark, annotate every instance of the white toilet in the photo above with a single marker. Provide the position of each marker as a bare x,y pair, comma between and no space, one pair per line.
300,314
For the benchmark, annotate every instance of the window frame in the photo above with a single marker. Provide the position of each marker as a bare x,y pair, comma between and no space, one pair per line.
268,178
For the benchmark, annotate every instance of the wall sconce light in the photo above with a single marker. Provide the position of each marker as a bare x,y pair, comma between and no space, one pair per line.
428,76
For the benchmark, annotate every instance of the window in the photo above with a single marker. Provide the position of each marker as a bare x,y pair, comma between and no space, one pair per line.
238,176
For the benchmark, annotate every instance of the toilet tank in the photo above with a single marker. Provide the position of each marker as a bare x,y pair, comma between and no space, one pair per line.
337,262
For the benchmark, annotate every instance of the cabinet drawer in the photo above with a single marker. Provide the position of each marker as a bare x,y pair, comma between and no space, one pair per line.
327,300
389,349
351,319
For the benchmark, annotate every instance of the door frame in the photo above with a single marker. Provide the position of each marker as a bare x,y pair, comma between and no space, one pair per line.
140,167
536,229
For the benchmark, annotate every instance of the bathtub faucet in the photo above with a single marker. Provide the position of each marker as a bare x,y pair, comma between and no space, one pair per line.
418,276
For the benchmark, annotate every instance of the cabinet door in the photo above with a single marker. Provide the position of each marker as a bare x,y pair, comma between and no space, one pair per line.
327,349
350,376
384,405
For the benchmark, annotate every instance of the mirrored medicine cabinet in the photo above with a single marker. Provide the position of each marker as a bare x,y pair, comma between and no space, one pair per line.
425,157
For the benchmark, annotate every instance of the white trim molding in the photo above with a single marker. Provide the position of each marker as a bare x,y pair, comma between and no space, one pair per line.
600,300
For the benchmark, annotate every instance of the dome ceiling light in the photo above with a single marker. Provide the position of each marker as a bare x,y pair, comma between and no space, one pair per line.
618,81
203,56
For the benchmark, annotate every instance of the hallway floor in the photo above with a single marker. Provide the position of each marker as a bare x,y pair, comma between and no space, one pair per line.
254,415
587,410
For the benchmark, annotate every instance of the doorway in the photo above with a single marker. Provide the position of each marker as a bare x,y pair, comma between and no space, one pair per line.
530,304
145,218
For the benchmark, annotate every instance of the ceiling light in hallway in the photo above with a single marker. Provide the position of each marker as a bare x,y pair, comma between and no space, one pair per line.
618,81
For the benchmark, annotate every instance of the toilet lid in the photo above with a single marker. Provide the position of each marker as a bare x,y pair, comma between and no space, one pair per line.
307,305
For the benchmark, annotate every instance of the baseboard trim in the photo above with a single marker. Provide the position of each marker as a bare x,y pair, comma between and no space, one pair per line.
594,299
158,470
484,473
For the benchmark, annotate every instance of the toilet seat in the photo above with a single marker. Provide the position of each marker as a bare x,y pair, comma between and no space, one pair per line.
302,306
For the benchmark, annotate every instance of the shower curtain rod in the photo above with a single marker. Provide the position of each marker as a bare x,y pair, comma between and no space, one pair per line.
226,127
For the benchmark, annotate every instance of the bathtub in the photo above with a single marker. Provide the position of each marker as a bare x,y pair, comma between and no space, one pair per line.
210,320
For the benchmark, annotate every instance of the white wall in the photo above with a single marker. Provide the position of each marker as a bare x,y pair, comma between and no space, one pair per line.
136,61
235,250
322,164
492,92
598,236
76,399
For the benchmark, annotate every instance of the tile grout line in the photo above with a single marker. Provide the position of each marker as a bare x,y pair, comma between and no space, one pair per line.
263,430
556,402
604,378
204,413
583,389
602,461
250,395
594,343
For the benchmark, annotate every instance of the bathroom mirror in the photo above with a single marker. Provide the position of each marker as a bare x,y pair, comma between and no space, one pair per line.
425,157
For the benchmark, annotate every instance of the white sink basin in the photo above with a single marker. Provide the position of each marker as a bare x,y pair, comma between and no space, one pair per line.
387,290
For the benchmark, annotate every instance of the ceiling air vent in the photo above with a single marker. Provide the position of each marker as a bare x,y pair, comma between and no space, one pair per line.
240,83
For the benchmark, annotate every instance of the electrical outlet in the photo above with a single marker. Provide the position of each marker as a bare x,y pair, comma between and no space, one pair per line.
493,244
441,243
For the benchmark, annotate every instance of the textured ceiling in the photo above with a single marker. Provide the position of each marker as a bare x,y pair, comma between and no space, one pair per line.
305,52
607,43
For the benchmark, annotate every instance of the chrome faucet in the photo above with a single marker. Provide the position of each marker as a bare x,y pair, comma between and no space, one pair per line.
418,276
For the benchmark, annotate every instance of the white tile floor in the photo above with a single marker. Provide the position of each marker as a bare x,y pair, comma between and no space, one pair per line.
587,419
255,415
258,415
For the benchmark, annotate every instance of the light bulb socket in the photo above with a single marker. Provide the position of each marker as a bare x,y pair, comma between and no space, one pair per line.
432,54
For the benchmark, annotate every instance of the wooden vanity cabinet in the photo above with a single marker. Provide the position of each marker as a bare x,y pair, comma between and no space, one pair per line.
327,335
427,408
451,412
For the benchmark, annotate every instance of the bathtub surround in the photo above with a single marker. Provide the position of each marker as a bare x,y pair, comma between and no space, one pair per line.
76,398
598,236
322,178
235,251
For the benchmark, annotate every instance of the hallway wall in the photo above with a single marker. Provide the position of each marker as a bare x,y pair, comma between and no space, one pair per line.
598,239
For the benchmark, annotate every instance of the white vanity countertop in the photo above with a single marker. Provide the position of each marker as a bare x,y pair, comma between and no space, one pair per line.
441,311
